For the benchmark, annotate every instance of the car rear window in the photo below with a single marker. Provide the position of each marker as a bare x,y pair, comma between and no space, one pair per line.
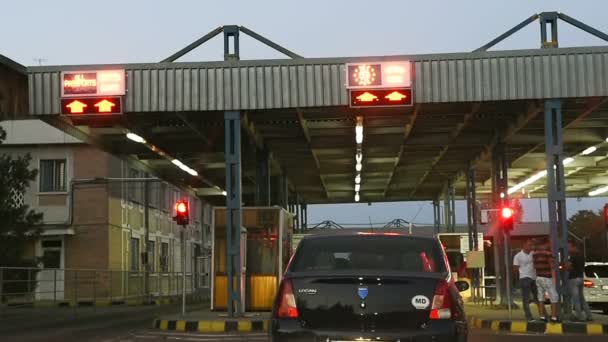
596,271
369,252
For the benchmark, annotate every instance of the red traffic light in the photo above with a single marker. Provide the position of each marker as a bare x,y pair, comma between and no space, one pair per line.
181,207
507,213
181,213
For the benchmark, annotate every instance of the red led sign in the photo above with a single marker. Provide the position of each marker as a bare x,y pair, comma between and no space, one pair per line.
381,97
373,75
92,83
91,106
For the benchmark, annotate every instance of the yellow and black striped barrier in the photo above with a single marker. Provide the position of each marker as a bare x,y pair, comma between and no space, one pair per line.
214,326
102,303
523,327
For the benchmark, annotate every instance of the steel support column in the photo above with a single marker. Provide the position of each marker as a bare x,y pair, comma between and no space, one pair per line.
233,211
304,208
501,240
262,178
471,197
437,216
556,188
449,208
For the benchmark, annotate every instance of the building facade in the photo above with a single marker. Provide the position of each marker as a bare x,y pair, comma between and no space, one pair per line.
93,244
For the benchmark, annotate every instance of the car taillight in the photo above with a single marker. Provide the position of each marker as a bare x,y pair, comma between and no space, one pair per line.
588,284
287,301
442,302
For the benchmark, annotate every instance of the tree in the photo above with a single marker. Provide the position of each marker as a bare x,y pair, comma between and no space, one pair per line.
19,225
590,225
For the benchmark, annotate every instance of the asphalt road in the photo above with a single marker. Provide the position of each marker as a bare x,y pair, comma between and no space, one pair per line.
475,336
134,325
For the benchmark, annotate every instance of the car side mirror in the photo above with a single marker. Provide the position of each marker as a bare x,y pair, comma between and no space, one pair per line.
462,286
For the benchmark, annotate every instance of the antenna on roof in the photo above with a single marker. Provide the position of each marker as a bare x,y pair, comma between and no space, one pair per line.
39,61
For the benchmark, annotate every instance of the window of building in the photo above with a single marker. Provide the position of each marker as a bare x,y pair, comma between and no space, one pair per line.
151,256
134,254
134,188
164,257
52,175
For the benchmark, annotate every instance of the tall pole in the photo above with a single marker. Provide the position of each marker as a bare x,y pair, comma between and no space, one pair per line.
183,270
146,239
508,272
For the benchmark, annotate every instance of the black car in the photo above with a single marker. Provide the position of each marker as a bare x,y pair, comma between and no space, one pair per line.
369,287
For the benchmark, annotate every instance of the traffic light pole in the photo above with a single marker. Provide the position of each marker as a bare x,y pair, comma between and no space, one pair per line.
183,269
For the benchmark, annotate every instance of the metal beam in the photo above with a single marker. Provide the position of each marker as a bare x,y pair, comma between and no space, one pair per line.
304,125
406,135
193,45
594,103
269,43
582,26
508,33
453,135
521,122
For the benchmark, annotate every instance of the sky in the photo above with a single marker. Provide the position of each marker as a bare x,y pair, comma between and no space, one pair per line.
135,31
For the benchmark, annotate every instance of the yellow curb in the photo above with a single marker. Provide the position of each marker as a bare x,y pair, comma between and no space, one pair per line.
595,329
180,326
519,327
266,322
495,325
103,303
554,329
164,324
244,326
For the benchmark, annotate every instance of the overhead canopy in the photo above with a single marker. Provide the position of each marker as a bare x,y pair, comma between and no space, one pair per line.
464,104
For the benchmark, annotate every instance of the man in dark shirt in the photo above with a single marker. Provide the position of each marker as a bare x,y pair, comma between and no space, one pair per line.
576,269
544,265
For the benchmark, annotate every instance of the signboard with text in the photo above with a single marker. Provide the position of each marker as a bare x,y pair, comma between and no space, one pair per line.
93,83
379,84
379,75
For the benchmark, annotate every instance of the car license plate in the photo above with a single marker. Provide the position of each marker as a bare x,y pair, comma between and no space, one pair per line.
605,287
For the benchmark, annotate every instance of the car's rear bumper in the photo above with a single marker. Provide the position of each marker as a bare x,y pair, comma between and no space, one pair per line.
435,331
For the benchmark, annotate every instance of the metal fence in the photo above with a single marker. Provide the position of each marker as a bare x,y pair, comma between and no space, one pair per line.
22,286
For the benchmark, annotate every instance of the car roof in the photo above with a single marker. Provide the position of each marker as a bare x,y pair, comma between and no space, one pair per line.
342,233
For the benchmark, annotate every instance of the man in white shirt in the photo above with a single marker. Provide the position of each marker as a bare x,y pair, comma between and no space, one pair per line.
524,264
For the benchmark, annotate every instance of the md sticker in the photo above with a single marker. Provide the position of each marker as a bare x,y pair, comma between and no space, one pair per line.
421,302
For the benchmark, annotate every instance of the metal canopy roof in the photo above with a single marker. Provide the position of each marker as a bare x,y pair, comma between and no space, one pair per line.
465,103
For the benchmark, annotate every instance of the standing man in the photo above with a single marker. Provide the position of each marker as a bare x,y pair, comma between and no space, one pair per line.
523,264
543,263
576,270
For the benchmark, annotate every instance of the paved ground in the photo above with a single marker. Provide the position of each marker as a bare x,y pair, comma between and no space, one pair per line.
491,313
476,336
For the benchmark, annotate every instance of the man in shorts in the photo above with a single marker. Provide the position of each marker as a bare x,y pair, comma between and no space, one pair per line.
523,264
544,265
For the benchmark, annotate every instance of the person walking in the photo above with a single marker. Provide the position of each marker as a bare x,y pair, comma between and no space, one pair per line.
576,270
523,264
544,266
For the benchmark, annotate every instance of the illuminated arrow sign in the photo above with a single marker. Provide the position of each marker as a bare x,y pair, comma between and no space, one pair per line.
395,96
105,106
367,97
88,106
76,106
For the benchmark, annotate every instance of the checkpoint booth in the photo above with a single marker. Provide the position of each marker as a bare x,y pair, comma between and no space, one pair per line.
462,260
266,247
